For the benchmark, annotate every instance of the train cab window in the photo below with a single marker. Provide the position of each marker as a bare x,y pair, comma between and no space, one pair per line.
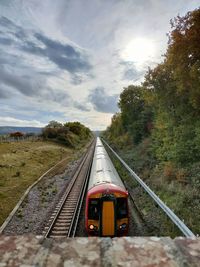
94,209
122,209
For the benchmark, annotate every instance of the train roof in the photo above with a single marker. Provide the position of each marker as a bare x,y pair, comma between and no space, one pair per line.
109,188
103,171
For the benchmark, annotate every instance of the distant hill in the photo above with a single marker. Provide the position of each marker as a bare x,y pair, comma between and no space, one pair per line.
11,129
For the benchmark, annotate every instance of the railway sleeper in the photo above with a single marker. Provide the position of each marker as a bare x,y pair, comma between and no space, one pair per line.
61,224
67,220
60,228
68,208
59,233
65,214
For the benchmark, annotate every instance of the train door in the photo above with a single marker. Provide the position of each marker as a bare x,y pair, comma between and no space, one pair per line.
108,217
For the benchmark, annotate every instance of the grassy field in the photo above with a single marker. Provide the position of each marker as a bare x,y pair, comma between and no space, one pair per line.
22,163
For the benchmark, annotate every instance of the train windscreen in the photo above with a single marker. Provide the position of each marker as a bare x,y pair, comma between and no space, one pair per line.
94,209
122,209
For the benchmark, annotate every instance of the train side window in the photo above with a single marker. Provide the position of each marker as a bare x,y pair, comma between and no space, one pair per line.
122,209
93,209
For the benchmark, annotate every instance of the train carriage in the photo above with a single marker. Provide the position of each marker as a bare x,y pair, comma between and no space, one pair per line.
106,212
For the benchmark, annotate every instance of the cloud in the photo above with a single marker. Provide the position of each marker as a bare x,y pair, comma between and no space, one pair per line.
7,23
35,86
25,84
53,52
5,41
65,56
76,79
64,99
130,72
103,102
32,76
4,92
81,106
10,121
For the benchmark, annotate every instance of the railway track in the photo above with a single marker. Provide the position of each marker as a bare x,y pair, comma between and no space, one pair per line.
140,226
64,219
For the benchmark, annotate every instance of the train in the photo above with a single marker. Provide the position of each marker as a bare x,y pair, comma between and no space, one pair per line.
106,210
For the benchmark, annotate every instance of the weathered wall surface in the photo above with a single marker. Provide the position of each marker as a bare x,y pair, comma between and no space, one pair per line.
29,250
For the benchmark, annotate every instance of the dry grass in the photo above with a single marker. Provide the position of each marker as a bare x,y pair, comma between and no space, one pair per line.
22,163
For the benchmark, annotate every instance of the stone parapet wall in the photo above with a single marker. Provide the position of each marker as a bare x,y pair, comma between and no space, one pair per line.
29,250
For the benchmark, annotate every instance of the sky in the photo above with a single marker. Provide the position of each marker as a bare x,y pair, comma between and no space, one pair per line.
69,60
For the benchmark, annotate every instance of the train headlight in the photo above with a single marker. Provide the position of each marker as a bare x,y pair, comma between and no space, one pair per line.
91,227
123,226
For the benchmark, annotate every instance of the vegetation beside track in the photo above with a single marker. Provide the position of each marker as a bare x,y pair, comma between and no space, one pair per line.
157,130
23,162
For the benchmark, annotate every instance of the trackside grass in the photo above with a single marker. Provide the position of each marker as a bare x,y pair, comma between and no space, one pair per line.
22,163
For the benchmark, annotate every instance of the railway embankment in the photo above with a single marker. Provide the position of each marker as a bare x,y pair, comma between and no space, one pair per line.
29,250
179,196
31,159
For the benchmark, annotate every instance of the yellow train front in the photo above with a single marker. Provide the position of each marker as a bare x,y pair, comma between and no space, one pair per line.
106,212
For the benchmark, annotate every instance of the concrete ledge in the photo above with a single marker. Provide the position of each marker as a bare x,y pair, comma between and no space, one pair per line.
29,250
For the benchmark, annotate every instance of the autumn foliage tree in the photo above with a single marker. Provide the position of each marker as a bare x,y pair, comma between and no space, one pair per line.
183,55
166,106
174,92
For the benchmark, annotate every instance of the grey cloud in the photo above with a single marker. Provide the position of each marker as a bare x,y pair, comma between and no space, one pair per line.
5,22
81,106
65,56
76,79
20,34
57,96
54,45
5,41
8,59
25,84
64,99
130,72
103,102
4,92
132,75
32,48
34,85
11,29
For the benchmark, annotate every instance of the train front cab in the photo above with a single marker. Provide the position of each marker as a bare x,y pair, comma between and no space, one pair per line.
107,215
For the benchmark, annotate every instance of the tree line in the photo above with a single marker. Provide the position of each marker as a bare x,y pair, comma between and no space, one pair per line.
165,108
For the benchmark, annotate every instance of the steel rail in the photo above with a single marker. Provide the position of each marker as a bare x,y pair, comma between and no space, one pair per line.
75,219
183,228
70,187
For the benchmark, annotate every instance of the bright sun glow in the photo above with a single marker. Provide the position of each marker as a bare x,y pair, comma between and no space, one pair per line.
139,51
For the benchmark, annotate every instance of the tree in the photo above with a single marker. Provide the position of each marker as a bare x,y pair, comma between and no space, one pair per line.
184,55
135,114
69,133
54,124
173,91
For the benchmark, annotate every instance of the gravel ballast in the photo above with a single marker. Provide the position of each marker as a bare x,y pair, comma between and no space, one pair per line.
34,212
